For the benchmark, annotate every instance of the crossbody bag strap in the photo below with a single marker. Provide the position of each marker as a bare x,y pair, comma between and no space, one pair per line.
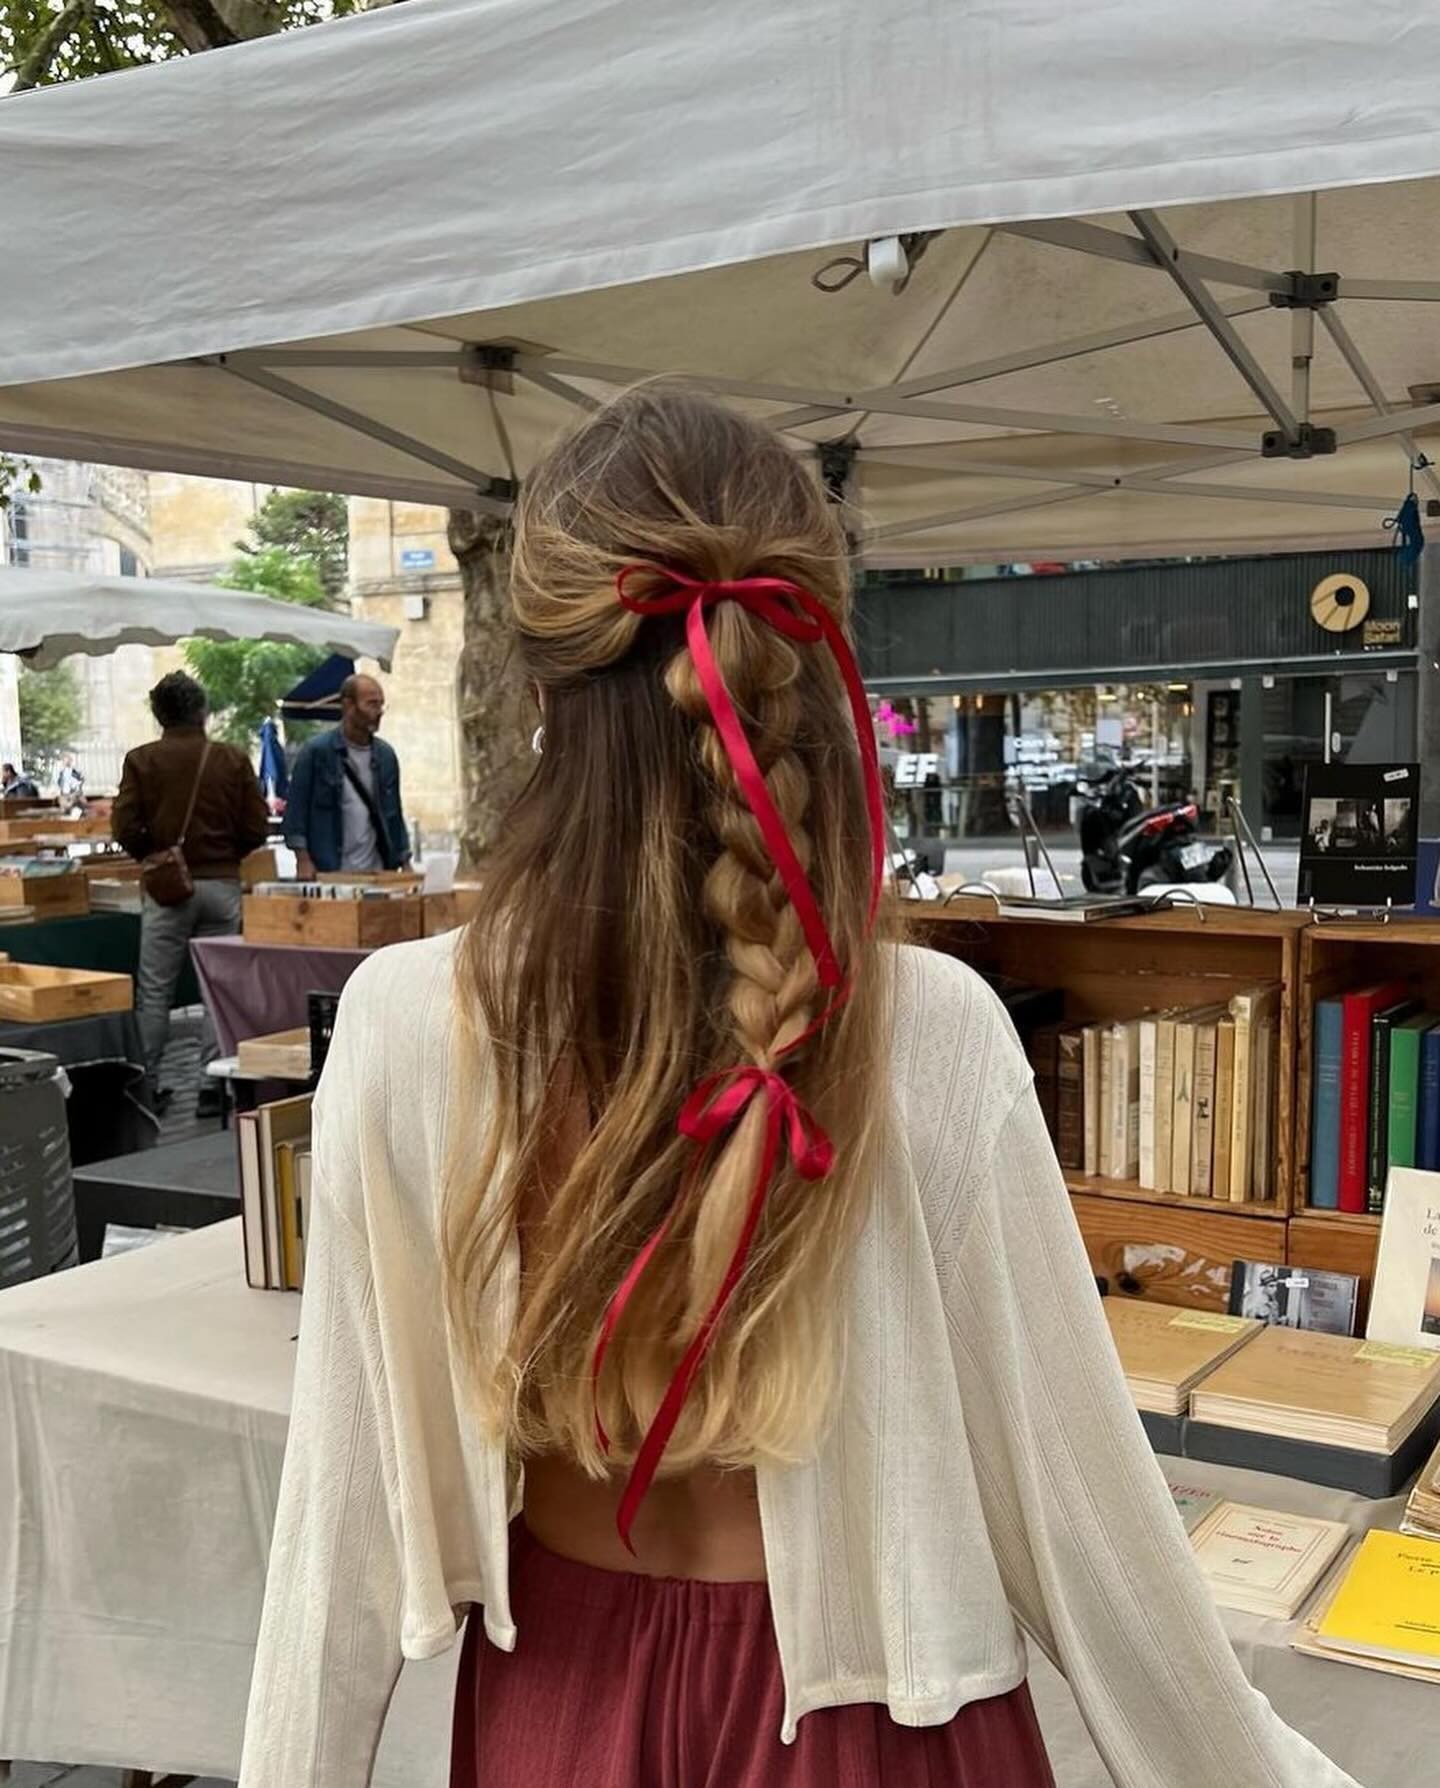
372,807
194,796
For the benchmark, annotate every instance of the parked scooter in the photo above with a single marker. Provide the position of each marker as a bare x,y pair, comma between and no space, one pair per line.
1126,846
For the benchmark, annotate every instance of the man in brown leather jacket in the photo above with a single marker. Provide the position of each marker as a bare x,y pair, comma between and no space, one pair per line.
229,821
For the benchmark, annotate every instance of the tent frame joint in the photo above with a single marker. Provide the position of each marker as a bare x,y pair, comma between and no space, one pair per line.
1308,291
488,364
1308,442
837,461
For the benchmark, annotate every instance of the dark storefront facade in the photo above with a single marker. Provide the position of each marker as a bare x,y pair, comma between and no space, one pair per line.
1210,678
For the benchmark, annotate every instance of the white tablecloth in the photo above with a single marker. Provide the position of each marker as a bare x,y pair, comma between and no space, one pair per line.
143,1403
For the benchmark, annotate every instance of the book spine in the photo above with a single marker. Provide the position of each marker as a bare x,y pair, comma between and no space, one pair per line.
1404,1094
1428,1147
1244,1100
1181,1155
252,1213
1224,1106
1043,1057
1354,1103
1326,1049
1128,1051
286,1193
1091,1050
1202,1153
1070,1101
1164,1104
1262,1166
1148,1035
1378,1151
1107,1103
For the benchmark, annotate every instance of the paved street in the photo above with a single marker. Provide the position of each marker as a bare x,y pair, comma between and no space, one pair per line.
975,856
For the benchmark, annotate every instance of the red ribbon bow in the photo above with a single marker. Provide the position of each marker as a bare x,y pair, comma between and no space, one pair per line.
722,1099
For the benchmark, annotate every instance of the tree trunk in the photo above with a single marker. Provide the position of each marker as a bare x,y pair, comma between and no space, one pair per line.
497,714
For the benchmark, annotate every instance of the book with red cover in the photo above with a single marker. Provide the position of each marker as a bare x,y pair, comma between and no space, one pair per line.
1359,1009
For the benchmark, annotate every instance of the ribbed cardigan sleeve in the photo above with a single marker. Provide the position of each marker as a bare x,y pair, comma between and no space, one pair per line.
329,1648
1091,1551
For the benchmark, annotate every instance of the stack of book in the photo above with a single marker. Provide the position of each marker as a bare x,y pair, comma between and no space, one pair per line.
1165,1352
1422,1511
1384,1612
1356,1414
1375,1094
1182,1101
275,1172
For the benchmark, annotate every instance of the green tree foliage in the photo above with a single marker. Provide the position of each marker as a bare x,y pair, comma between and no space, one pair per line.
43,41
16,475
245,679
50,713
313,525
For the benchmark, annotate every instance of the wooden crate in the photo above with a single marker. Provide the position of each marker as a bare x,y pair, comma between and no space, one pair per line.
109,866
33,995
284,1055
442,913
51,825
51,896
331,924
375,878
1335,957
1120,968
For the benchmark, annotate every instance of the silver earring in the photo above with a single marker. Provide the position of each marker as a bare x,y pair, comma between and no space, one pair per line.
537,741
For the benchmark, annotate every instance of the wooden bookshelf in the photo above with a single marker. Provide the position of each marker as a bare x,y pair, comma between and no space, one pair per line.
1175,1248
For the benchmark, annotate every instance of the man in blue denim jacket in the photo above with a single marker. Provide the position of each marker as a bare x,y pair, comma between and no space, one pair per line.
344,809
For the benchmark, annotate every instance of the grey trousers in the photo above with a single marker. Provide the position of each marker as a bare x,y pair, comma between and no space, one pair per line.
213,910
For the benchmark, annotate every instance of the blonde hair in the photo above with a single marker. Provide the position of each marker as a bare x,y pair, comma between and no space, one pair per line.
634,938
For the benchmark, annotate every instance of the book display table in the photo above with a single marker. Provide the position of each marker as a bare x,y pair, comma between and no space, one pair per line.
143,1408
253,990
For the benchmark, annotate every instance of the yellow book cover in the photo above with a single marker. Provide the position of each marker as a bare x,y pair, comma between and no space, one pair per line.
288,1190
1388,1605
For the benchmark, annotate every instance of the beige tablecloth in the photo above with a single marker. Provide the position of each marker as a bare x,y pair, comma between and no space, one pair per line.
143,1404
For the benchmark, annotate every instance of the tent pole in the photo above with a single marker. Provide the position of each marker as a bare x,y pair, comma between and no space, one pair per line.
1170,256
1302,318
1396,422
1115,245
494,495
1358,365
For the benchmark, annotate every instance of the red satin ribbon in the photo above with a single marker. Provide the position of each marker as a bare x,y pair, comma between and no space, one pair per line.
721,1100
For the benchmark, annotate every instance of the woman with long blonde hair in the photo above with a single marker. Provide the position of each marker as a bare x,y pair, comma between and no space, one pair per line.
692,1298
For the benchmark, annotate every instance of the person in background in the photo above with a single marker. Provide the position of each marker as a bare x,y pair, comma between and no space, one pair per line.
15,785
344,808
228,822
70,781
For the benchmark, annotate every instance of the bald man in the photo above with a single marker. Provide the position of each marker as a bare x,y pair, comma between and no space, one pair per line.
344,809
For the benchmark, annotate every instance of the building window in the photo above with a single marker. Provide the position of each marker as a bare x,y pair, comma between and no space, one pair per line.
129,564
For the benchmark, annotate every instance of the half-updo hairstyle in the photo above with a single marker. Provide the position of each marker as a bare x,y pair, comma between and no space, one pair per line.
635,939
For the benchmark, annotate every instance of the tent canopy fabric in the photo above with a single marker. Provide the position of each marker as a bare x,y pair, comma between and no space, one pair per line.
434,234
50,615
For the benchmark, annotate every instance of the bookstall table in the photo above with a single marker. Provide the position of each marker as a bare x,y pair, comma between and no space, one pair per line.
155,1387
143,1407
108,941
252,990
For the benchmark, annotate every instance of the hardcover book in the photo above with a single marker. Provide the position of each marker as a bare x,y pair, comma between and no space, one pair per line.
1297,1297
1070,1099
1325,1105
1382,1026
1359,1008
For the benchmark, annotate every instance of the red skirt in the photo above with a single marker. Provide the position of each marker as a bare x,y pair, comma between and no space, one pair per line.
626,1681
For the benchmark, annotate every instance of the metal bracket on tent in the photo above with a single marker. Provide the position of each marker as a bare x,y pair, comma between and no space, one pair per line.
1309,442
837,458
482,363
1308,291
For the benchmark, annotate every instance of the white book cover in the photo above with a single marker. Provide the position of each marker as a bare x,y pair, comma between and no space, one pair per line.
1149,1037
1405,1295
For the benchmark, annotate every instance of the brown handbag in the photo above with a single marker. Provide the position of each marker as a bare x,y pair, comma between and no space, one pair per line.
164,874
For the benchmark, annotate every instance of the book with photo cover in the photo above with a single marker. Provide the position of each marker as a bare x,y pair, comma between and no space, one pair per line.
1405,1294
1297,1297
1359,846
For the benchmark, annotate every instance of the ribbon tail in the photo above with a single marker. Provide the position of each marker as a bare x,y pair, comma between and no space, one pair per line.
614,1310
657,1436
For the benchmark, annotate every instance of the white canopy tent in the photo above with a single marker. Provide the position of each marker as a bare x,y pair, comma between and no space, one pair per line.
394,254
50,615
